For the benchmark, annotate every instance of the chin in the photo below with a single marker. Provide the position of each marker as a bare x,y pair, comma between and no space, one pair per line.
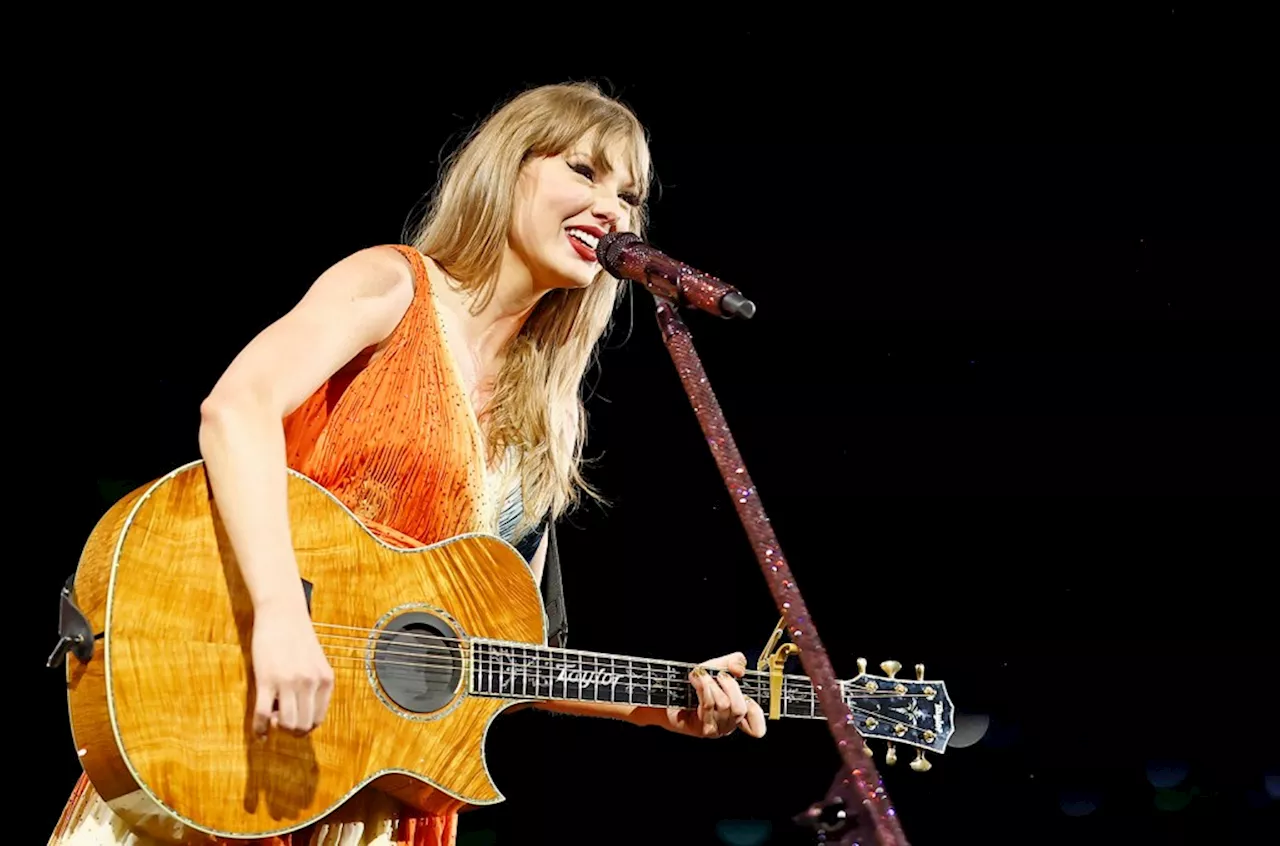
582,277
586,280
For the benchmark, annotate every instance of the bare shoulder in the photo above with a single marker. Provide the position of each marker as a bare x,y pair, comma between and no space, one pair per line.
374,273
354,305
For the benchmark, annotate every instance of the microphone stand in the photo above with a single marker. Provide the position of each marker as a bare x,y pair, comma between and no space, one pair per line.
859,777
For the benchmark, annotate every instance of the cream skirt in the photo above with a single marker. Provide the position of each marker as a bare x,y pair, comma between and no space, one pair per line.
379,820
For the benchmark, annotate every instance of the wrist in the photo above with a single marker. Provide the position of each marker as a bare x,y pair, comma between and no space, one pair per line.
660,717
283,600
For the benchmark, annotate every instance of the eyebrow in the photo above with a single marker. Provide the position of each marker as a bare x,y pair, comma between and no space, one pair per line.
601,163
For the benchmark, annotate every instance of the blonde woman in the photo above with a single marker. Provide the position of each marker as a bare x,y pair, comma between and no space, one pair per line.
434,388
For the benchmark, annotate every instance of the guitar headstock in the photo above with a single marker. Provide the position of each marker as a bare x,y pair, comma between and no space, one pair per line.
914,712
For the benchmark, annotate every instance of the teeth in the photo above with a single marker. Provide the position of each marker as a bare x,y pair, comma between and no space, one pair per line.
585,237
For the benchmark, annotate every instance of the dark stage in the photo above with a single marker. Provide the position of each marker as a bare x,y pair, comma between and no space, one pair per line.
1009,400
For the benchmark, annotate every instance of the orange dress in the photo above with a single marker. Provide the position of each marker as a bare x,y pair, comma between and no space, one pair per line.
395,438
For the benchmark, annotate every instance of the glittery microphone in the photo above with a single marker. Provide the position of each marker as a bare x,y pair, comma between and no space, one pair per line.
625,256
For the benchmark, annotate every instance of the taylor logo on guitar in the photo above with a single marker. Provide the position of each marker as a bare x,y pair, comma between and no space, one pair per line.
427,645
588,678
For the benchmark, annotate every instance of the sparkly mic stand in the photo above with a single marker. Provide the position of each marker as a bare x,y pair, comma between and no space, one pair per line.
857,786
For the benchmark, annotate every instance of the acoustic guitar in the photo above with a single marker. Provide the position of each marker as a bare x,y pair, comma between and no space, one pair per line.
427,645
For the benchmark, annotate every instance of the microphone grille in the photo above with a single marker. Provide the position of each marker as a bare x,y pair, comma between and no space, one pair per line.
609,250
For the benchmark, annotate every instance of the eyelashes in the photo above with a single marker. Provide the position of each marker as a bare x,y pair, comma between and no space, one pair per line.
589,172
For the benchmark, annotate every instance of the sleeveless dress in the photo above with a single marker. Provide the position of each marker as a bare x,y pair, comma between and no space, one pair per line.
398,442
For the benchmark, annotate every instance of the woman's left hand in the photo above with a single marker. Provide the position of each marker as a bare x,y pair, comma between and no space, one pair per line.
722,707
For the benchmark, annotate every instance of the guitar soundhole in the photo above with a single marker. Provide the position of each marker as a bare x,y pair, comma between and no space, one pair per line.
418,662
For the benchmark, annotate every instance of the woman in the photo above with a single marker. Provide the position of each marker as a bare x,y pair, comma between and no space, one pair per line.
435,390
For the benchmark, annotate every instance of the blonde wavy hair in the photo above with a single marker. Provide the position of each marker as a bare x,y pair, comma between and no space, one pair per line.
537,407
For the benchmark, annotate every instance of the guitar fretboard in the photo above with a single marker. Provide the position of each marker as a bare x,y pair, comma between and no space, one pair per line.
519,671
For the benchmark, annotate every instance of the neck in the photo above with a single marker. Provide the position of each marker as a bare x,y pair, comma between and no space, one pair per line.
489,326
525,672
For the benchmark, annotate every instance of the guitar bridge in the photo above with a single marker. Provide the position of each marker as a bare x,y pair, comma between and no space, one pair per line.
75,635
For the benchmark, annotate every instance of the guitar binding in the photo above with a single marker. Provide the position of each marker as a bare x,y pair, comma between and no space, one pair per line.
75,635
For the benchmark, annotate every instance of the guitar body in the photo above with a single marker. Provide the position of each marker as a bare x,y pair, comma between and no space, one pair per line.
162,713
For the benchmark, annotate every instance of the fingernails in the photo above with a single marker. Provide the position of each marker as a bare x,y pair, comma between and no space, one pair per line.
698,672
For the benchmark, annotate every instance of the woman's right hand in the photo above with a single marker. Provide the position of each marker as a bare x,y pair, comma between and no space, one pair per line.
292,677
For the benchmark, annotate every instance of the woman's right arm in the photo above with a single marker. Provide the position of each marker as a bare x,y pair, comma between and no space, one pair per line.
352,306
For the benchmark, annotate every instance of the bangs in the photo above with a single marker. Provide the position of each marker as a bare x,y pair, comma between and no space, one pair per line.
605,125
635,155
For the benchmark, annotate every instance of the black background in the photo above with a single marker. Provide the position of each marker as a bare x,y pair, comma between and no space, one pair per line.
1009,398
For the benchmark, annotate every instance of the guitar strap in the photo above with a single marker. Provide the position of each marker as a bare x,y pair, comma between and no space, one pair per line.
553,593
552,586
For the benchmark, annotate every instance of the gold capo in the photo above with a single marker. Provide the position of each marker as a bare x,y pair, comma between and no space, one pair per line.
774,660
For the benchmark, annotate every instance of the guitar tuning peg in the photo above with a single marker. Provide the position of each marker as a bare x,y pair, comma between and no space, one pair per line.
868,751
862,666
919,672
890,668
891,757
921,763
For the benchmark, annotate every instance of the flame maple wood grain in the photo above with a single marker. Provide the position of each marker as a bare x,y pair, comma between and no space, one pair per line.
163,711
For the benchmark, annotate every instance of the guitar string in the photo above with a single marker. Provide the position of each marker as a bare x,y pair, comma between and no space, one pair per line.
796,684
384,634
481,659
754,679
659,685
677,688
751,687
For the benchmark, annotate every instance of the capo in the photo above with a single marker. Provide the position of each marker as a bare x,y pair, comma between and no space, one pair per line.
778,630
75,635
774,660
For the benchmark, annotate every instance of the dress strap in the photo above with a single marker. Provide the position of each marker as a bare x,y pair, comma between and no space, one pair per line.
414,257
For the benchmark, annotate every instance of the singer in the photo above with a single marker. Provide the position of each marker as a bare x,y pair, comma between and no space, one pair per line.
434,388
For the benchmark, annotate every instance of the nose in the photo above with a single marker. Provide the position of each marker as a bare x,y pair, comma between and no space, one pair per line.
607,209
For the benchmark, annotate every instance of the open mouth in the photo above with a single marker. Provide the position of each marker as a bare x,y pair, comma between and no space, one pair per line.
584,243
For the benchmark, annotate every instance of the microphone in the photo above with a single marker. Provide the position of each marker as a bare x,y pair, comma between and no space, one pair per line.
625,256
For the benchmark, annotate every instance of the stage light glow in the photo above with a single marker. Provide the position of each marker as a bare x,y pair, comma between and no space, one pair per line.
1078,803
743,832
1166,774
1175,800
969,729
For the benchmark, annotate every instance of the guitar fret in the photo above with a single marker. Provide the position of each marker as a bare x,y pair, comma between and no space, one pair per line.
559,687
524,672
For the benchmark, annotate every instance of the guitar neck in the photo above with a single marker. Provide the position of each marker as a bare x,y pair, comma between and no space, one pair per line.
520,671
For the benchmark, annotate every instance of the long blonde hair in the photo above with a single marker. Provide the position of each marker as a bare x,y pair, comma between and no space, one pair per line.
537,407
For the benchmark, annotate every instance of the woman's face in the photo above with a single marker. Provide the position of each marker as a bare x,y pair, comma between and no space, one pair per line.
563,205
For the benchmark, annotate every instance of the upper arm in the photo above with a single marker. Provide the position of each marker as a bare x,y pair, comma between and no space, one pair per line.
353,305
